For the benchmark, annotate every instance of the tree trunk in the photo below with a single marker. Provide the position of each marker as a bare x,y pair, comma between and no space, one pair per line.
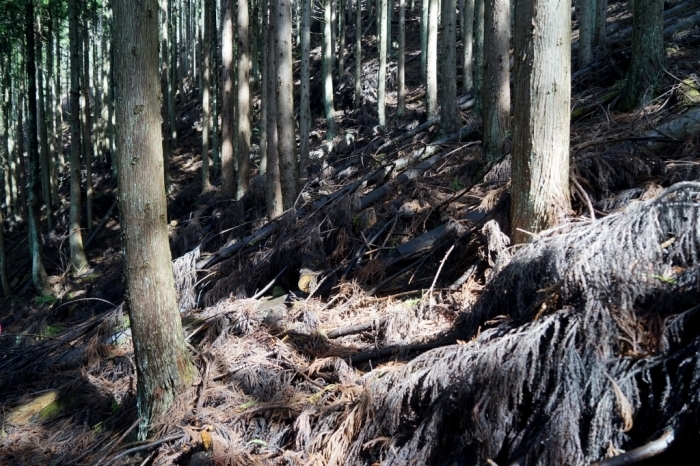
77,252
165,85
21,168
49,106
601,13
496,86
58,105
449,118
381,79
3,261
431,73
274,188
162,363
87,123
172,90
401,78
305,91
648,55
586,31
424,16
286,128
227,109
264,96
358,54
216,66
540,173
341,44
467,46
243,100
478,53
206,93
41,282
43,137
389,17
327,71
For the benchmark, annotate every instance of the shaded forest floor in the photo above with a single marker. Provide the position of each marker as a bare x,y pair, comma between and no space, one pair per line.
386,320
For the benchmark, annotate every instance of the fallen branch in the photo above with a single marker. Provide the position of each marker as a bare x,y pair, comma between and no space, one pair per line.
382,353
354,329
652,448
148,446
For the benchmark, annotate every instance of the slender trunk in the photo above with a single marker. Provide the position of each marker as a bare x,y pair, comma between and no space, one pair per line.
163,365
87,126
58,105
431,74
264,73
389,18
478,53
358,54
21,210
586,28
286,128
206,92
381,79
172,87
274,188
43,137
77,252
227,102
10,185
496,89
327,71
305,91
424,16
467,43
50,103
165,85
41,281
215,63
449,118
542,99
3,261
341,32
243,100
401,91
601,16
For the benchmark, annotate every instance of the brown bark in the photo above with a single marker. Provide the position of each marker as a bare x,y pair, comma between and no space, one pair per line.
272,183
162,362
206,95
449,118
227,101
496,86
243,100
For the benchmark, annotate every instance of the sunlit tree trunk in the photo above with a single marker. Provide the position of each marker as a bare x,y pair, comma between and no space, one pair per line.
431,74
424,17
646,67
58,104
286,127
358,54
87,122
478,53
327,71
172,89
305,91
264,96
401,78
449,118
43,136
77,252
163,365
381,79
341,43
165,86
467,45
206,95
49,105
243,100
495,93
216,66
542,99
39,278
273,183
227,101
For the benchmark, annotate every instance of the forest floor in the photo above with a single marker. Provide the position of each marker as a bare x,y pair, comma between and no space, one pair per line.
343,332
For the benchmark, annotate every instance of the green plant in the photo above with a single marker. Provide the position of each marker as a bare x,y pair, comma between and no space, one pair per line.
46,299
53,330
456,185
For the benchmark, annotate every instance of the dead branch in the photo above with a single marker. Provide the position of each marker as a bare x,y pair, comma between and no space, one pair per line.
390,351
652,448
148,446
354,329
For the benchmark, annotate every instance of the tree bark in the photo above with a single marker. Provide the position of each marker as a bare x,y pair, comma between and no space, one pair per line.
87,121
358,54
227,102
341,42
274,188
401,90
286,128
467,46
496,86
77,252
162,363
305,91
601,13
43,137
449,118
264,96
586,31
381,79
39,278
431,73
206,96
243,100
327,71
540,173
165,85
424,16
648,54
478,53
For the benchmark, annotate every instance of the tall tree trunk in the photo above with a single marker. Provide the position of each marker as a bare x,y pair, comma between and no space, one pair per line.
341,44
77,252
172,89
431,73
243,99
389,18
601,14
41,282
50,104
58,105
424,20
305,91
449,118
467,45
21,168
273,183
264,97
586,31
542,99
648,54
206,95
401,78
286,128
215,63
43,137
358,54
163,365
496,87
87,123
227,102
3,261
10,184
381,79
165,86
478,53
327,71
